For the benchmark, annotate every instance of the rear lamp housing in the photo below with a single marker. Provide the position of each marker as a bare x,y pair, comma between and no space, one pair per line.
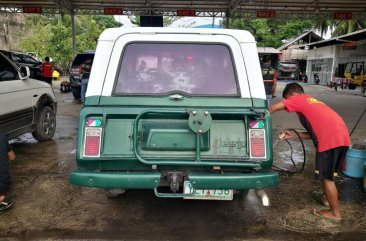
257,143
92,141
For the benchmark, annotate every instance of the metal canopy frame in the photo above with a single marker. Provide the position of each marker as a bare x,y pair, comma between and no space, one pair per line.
217,8
247,9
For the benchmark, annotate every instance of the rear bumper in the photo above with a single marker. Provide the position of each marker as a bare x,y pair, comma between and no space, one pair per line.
151,180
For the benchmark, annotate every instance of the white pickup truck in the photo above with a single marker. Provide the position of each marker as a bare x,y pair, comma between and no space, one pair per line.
179,111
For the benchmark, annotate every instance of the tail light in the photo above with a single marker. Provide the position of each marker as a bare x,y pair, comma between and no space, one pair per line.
257,142
92,141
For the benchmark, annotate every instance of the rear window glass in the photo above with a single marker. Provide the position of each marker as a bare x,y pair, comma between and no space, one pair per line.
7,71
162,68
81,58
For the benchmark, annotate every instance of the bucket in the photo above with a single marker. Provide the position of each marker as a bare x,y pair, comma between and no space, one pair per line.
364,178
355,159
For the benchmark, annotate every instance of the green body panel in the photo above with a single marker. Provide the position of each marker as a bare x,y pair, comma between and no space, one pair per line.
151,180
144,133
158,101
234,181
145,180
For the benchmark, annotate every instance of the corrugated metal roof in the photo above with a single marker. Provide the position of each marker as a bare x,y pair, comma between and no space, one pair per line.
295,8
267,50
351,37
308,37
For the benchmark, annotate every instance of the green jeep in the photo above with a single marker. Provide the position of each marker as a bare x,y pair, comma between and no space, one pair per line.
179,111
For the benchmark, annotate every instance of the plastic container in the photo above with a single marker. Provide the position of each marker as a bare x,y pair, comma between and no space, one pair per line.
355,160
364,177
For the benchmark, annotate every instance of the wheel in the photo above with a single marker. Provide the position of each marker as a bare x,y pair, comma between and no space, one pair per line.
363,88
63,89
46,124
352,86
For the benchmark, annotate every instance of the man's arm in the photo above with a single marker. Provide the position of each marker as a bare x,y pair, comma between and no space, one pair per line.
276,107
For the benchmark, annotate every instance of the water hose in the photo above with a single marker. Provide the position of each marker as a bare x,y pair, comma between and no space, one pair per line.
279,169
357,122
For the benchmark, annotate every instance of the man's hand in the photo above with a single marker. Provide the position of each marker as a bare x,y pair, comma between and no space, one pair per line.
11,155
286,135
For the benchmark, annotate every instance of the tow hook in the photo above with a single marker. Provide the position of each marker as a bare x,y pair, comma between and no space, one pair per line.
262,195
175,179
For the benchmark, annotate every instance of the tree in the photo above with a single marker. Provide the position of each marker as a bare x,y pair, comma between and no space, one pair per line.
50,35
348,26
271,32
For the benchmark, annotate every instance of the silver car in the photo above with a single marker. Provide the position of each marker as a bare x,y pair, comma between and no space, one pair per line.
27,105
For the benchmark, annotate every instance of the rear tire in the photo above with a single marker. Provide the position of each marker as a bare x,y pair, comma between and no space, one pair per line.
363,88
46,124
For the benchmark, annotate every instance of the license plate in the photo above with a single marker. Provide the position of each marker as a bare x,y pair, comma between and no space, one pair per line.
206,194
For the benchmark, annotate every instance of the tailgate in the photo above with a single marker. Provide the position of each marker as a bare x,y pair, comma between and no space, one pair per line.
202,137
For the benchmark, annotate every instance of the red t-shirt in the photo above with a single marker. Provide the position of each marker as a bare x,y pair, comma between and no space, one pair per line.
46,70
326,127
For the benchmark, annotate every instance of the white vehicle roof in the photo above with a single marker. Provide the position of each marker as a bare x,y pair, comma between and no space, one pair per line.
112,34
112,42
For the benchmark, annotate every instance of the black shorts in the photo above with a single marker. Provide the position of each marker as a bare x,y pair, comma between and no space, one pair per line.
48,80
329,163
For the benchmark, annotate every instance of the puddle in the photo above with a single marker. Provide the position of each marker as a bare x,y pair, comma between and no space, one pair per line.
285,154
26,138
351,189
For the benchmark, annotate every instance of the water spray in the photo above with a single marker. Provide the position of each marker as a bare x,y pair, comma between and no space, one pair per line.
281,137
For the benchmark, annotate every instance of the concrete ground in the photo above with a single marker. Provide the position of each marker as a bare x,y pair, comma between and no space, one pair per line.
47,207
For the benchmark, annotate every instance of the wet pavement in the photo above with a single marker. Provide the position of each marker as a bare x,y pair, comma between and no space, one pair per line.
47,207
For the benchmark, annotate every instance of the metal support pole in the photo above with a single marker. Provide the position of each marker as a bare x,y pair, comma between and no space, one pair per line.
227,23
73,33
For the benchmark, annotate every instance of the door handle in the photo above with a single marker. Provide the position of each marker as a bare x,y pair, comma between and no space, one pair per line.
176,97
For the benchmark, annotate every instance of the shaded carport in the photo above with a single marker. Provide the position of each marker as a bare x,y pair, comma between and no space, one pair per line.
353,37
285,9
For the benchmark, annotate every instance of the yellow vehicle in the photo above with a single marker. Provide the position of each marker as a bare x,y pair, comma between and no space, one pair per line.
356,72
55,75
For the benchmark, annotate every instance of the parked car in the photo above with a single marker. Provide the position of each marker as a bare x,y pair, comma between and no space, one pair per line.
24,59
75,69
27,105
180,111
288,70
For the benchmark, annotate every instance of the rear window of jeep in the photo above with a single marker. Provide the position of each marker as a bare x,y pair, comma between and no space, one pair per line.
163,68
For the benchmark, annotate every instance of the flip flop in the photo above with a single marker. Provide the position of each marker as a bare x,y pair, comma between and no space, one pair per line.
319,197
6,204
319,214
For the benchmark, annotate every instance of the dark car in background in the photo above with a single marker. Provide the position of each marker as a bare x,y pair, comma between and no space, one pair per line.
75,80
288,70
24,59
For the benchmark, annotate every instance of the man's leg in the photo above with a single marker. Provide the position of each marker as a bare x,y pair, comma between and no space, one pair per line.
331,193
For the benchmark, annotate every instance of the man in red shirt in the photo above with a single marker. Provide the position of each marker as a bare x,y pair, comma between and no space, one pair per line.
330,136
46,69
